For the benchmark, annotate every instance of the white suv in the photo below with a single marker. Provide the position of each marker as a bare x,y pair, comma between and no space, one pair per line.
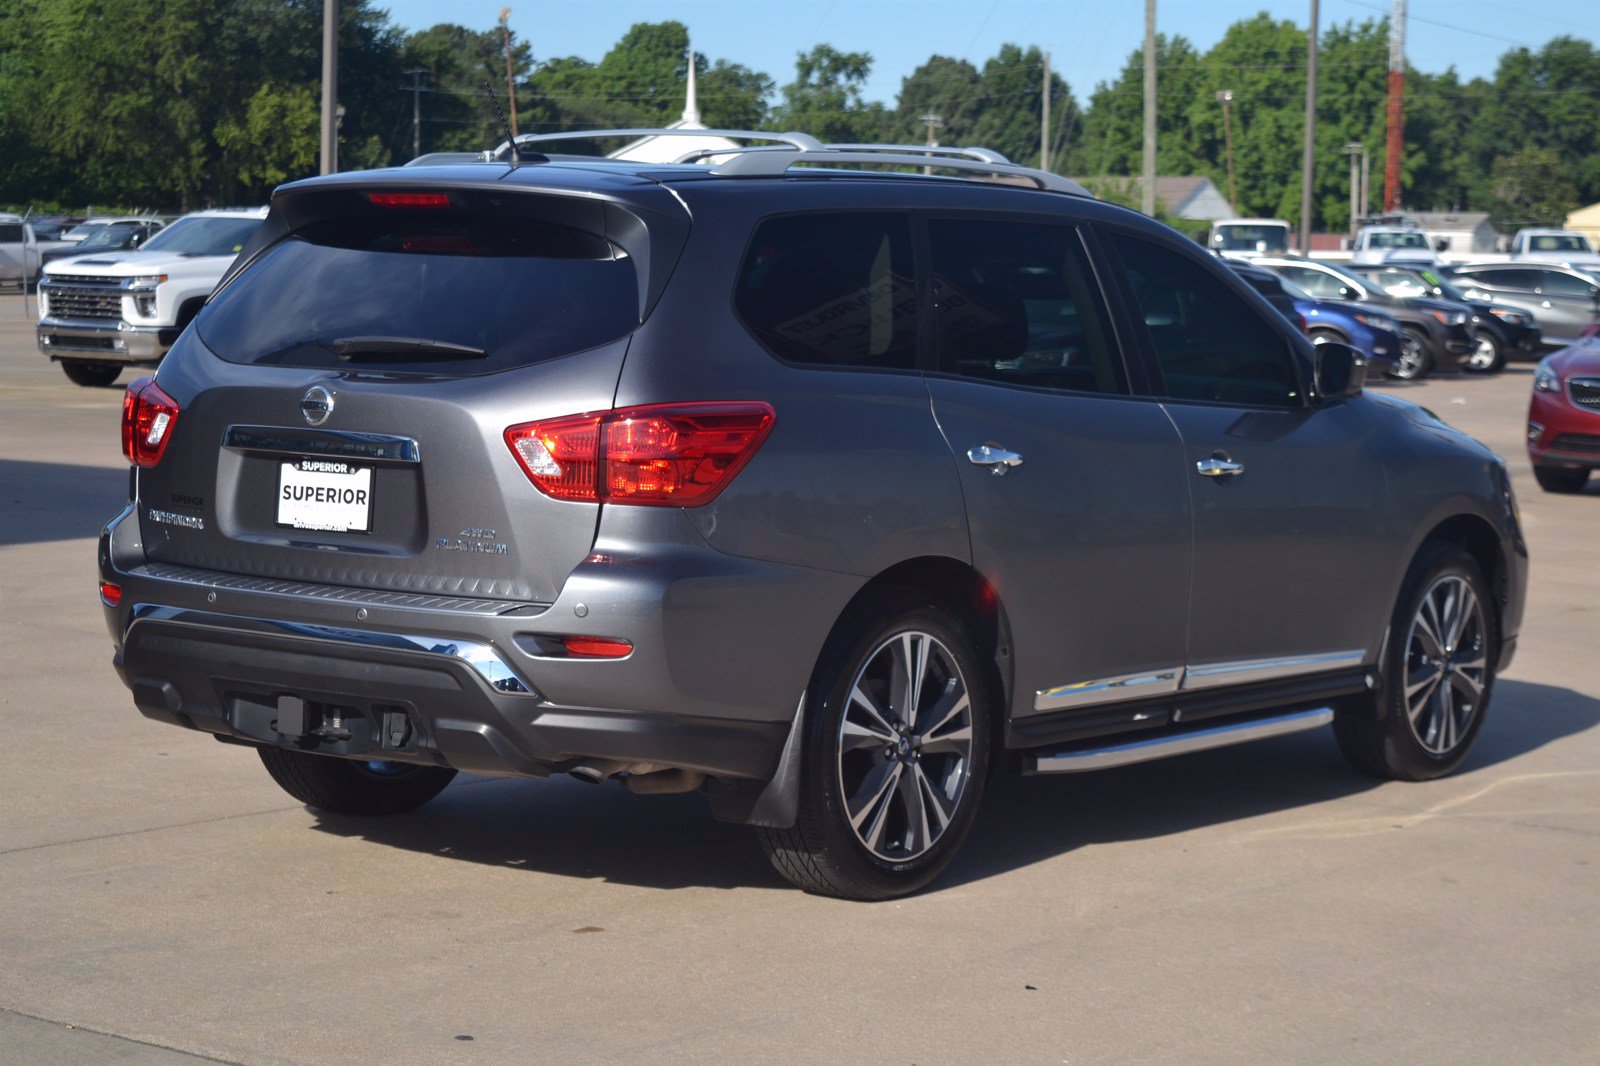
99,313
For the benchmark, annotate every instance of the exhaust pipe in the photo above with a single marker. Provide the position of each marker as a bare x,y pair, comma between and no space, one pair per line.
664,782
597,770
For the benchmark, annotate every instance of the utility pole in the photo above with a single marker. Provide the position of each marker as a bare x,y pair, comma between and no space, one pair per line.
416,108
1226,96
511,85
1147,193
1357,152
330,85
1044,117
1395,144
933,122
1366,189
1308,153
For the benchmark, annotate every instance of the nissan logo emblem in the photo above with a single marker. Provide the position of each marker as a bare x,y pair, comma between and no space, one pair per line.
316,405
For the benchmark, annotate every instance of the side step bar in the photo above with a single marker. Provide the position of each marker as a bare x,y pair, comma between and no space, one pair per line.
1103,758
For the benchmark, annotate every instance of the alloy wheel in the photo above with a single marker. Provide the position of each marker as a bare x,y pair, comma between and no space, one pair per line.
1446,664
1483,355
905,746
1411,358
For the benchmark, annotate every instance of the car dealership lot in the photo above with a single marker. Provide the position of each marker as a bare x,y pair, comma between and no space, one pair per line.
159,895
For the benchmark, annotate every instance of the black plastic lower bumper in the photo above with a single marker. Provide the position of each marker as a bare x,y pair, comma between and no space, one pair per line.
370,701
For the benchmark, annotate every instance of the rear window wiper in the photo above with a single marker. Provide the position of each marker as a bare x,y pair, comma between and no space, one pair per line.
420,347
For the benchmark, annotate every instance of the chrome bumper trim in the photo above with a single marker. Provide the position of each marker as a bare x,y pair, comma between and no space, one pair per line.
1109,690
481,657
1071,762
1249,671
1148,684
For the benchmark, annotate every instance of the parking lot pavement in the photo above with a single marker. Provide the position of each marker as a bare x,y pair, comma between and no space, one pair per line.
161,898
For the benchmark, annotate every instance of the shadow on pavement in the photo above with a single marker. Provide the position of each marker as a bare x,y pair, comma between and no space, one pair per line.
603,832
57,501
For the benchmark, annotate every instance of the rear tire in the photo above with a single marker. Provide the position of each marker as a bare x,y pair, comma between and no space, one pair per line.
350,786
90,374
1413,361
886,796
1562,479
1438,674
1489,357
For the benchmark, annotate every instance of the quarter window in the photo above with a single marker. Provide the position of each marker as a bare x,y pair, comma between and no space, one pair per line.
1210,344
832,289
1016,305
1555,283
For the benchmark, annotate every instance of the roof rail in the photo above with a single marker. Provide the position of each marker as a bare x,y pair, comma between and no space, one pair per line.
785,150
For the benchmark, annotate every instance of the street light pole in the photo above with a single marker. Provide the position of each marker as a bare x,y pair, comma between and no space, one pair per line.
416,108
1357,152
330,85
1226,96
1147,198
511,85
1308,154
933,122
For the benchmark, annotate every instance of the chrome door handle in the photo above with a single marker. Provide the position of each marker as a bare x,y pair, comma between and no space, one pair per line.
1219,468
996,458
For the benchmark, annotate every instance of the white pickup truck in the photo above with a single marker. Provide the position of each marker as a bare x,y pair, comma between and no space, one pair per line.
1562,246
1385,245
101,312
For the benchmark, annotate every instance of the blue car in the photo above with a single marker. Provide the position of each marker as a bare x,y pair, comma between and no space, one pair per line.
1375,334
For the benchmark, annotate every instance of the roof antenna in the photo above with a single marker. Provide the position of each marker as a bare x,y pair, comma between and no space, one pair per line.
516,152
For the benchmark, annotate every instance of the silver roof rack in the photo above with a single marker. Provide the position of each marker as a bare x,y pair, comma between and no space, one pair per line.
786,150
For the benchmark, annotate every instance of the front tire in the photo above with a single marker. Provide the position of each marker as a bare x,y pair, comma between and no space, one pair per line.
1413,362
1562,479
350,786
1489,355
90,374
1438,674
897,729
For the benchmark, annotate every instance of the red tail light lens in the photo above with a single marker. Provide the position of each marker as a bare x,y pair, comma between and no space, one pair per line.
1305,327
148,418
664,455
110,594
409,199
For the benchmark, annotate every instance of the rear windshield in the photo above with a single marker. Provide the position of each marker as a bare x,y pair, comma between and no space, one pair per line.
436,292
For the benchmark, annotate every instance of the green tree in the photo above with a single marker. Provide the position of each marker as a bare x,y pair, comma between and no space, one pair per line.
1010,102
825,97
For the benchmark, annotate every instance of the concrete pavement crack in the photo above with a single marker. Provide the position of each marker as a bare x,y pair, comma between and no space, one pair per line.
118,1036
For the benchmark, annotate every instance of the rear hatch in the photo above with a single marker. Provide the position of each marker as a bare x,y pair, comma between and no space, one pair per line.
344,396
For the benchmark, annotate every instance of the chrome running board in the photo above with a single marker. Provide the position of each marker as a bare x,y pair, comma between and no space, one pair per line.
1222,736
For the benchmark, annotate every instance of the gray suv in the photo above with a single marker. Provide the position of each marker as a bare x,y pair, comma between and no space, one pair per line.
822,490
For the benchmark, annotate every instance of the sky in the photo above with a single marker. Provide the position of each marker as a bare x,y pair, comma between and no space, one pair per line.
1089,40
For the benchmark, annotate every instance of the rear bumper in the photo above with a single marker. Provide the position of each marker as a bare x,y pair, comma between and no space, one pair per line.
106,341
723,649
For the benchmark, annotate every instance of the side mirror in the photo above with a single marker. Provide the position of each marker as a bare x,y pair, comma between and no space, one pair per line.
1441,244
1340,371
1216,239
1344,292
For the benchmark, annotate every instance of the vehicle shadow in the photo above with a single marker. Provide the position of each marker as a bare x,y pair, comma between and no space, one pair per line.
570,829
57,501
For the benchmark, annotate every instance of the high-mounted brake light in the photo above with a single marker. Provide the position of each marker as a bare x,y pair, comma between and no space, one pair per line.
409,199
662,455
148,418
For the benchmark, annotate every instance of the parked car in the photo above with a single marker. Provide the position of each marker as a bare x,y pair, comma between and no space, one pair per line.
1394,244
111,237
1500,331
1562,300
1272,289
1564,415
1374,333
51,227
1245,238
821,495
1563,247
1433,333
101,312
19,252
90,226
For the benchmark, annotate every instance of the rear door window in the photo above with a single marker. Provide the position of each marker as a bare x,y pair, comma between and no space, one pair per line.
1555,283
1210,344
1520,280
1016,304
835,289
451,292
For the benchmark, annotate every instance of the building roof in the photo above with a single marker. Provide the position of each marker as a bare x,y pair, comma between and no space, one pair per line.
1180,194
1456,220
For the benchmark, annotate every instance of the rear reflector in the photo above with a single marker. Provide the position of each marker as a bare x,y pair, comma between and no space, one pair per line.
409,199
663,455
110,594
596,647
148,418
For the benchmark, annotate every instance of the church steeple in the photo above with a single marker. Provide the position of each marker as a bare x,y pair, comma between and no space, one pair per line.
691,106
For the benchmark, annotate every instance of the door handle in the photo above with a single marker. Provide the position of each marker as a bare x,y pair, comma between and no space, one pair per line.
1545,304
996,458
1219,467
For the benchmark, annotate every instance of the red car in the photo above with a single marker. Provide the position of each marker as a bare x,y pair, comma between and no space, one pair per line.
1564,415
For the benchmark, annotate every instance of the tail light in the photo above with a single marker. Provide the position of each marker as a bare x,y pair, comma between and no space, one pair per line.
110,594
148,418
1305,327
664,455
596,647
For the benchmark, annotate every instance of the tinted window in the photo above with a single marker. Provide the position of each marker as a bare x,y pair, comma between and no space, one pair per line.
1210,343
209,235
1015,304
1319,283
832,289
518,290
1508,278
1555,283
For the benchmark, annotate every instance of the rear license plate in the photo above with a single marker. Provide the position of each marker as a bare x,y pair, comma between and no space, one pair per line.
325,494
